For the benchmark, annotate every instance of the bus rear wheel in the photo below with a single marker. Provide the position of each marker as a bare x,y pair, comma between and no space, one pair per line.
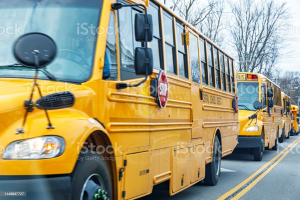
288,137
213,169
281,139
91,179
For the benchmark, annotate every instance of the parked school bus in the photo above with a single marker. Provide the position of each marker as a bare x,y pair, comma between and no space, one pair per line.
286,116
259,113
100,131
295,123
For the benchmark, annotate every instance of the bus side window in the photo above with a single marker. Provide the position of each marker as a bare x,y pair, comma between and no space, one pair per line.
156,43
228,73
127,42
211,69
217,66
170,54
181,54
194,58
203,62
263,95
223,77
110,70
232,74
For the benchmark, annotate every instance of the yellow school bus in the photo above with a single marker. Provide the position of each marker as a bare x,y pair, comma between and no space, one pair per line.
286,116
92,108
259,113
295,122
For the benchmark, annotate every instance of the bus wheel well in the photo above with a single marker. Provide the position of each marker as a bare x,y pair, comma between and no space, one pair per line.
99,142
218,134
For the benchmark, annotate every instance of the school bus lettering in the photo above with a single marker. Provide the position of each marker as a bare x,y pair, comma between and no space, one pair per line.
219,101
205,98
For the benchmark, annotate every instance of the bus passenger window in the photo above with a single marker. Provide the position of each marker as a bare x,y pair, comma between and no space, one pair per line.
210,64
228,73
181,54
223,77
169,43
263,95
156,43
194,58
203,62
232,74
217,66
110,64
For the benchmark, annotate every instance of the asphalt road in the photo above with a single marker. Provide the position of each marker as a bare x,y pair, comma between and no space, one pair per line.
278,179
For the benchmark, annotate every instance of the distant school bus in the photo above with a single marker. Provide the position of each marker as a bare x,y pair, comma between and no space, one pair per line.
116,127
295,121
286,116
261,126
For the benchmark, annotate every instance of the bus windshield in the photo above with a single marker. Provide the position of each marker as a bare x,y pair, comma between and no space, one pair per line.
248,94
71,24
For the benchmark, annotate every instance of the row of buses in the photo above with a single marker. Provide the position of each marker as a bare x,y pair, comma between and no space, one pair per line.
147,100
266,114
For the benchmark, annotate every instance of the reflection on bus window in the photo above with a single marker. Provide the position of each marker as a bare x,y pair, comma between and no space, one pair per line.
126,38
169,43
194,57
248,94
110,64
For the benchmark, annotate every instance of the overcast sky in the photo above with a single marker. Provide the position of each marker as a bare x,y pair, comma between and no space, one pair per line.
291,59
291,62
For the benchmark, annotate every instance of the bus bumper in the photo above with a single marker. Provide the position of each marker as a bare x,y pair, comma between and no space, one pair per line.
249,142
46,188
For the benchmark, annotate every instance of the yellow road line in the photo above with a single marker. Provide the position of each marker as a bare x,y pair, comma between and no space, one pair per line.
239,186
250,186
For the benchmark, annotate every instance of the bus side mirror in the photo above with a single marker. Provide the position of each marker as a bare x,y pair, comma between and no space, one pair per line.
257,105
143,55
141,61
288,109
270,92
143,28
270,103
293,118
288,103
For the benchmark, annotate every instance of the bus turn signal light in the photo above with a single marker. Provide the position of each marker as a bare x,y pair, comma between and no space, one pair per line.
251,77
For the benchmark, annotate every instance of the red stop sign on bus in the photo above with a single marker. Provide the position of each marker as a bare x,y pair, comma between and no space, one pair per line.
163,89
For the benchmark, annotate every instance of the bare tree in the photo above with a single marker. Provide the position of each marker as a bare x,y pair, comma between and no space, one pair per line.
256,34
289,83
207,16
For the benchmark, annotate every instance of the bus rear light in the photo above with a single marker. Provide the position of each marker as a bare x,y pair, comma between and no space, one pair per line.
251,77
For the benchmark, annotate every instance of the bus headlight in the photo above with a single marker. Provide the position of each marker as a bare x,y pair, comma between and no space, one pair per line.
253,129
35,148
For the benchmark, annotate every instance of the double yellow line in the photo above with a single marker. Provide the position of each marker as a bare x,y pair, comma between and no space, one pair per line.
257,176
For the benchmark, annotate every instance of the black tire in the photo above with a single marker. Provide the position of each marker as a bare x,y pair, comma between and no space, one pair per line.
281,139
288,137
92,173
276,144
213,169
258,153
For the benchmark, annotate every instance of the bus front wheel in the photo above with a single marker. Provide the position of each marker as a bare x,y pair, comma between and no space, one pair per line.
259,152
91,179
213,169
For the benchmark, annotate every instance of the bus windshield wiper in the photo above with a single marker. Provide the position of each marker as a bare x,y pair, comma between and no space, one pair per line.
47,73
245,107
